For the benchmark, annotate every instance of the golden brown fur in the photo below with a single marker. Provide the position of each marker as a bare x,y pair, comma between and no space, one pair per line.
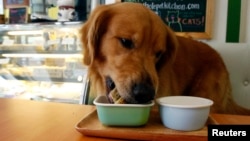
129,45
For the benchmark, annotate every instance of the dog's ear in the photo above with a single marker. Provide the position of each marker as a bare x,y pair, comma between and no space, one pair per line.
92,31
171,44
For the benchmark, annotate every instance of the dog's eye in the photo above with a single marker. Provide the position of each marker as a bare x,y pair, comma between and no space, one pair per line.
127,43
158,54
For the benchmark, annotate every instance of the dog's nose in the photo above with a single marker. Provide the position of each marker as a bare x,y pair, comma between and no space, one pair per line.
143,93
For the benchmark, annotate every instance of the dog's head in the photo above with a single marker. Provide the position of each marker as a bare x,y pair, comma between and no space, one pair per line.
124,45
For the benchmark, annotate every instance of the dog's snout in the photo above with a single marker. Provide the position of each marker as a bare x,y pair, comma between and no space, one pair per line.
143,93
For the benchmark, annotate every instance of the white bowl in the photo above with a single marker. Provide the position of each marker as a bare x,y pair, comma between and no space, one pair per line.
185,113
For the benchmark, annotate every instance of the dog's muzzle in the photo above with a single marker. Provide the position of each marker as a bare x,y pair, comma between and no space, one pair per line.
143,93
139,92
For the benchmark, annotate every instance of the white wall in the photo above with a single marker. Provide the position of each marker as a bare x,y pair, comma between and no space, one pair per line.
246,19
109,1
243,23
219,22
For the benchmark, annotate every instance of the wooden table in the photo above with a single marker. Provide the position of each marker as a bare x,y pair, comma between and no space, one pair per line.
24,120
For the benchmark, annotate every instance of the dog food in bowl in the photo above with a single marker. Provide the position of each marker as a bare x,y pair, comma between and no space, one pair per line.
122,114
185,113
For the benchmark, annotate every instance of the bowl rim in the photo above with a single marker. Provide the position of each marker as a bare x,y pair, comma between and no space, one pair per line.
120,105
208,103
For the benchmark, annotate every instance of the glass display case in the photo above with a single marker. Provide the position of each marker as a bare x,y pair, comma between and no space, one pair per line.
42,62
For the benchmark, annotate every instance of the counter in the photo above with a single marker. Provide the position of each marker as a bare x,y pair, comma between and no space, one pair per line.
25,120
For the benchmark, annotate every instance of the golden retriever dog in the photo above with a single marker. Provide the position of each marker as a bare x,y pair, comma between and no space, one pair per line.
129,48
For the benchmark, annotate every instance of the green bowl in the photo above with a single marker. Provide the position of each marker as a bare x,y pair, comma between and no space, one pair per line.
122,114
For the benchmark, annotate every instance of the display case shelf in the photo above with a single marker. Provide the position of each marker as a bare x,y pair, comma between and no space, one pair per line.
41,61
26,78
41,53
